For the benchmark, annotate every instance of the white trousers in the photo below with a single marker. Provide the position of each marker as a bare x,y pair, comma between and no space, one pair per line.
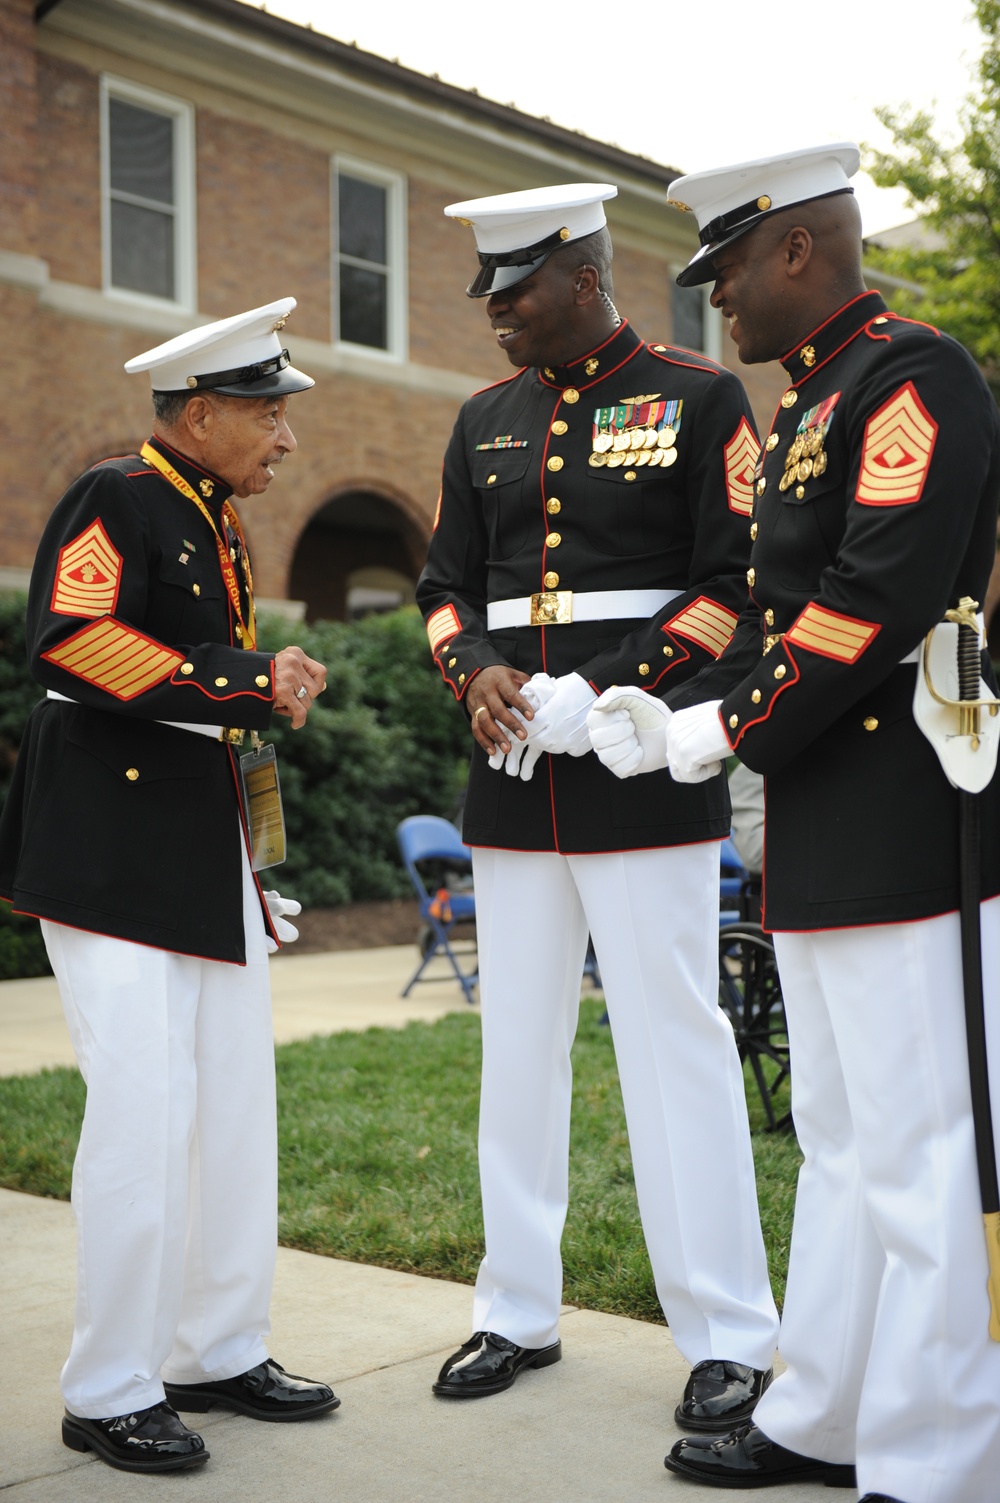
175,1179
653,916
885,1321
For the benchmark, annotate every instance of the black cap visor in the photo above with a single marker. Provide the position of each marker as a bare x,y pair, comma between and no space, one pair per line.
490,279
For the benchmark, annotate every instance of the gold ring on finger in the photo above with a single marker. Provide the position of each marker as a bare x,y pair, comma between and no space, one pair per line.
483,710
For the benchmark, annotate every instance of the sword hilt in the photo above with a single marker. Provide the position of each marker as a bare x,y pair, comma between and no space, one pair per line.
968,703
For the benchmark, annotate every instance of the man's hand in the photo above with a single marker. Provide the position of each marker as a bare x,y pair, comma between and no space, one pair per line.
293,674
628,731
492,698
696,743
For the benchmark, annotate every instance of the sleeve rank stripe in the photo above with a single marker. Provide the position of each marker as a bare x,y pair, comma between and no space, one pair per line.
705,622
88,575
896,455
831,635
741,455
115,658
444,623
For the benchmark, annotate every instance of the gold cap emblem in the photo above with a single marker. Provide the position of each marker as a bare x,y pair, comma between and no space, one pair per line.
675,203
564,233
763,202
192,381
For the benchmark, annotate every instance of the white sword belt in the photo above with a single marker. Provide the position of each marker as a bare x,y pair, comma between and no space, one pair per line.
226,733
564,607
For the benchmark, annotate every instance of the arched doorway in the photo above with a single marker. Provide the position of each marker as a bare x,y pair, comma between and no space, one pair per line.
360,552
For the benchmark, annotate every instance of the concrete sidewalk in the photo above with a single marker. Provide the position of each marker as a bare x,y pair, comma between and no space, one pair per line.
595,1427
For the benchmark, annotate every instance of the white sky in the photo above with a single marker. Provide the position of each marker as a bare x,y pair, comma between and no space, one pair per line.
692,85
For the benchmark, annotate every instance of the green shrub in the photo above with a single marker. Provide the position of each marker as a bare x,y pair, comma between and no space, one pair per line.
384,741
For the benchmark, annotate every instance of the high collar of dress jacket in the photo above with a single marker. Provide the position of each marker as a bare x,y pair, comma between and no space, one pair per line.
826,341
206,485
596,364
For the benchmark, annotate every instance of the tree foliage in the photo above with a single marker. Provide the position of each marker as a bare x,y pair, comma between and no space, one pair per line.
956,191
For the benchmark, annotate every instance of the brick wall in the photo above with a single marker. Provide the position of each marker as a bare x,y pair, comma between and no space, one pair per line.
263,209
18,122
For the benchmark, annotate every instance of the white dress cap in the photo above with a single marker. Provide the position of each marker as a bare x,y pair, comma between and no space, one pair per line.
517,232
729,201
237,357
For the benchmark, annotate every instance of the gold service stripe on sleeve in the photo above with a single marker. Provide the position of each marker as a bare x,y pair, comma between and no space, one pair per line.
442,624
115,658
706,622
831,635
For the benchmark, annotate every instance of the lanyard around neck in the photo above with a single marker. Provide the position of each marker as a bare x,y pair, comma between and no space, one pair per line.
247,630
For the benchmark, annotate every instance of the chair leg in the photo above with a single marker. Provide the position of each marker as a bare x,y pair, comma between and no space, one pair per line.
440,946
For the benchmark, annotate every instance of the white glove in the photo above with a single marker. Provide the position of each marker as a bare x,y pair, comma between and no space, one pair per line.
628,731
560,725
537,691
696,743
278,907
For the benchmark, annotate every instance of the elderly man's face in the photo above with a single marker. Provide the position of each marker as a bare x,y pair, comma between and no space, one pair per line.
248,436
537,322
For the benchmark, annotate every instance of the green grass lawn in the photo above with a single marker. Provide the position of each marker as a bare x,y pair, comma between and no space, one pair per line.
378,1157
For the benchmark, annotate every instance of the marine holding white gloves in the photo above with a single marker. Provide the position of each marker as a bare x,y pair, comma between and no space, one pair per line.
632,732
560,723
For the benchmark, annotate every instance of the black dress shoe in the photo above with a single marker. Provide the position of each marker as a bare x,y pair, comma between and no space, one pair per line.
746,1458
150,1440
488,1363
720,1395
266,1392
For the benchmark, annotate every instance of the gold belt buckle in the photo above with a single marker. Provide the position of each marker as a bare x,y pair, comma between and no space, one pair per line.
552,608
232,735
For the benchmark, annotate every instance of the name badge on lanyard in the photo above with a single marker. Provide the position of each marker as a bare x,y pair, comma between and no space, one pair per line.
262,799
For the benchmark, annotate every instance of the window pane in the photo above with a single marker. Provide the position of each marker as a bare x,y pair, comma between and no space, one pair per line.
363,220
363,300
142,250
688,310
141,151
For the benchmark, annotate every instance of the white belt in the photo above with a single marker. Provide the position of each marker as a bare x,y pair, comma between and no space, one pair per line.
561,607
217,732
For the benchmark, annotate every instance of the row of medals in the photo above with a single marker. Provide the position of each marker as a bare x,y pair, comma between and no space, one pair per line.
806,456
635,446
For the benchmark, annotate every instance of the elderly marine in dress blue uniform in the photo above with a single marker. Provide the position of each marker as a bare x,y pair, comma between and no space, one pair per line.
875,513
592,529
123,833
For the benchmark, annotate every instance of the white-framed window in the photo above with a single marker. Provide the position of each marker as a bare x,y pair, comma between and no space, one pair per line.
147,194
369,257
696,324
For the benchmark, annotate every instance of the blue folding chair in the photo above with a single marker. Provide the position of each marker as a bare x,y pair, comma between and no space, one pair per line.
426,838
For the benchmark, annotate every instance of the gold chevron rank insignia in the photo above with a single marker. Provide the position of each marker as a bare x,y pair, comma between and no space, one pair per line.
88,574
899,443
832,635
706,622
741,455
115,658
443,624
